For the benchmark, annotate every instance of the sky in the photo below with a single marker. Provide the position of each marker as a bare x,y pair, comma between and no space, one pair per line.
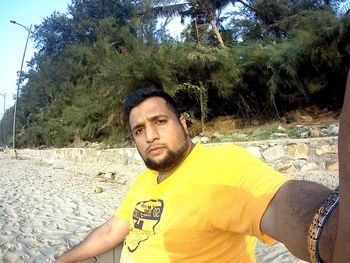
13,39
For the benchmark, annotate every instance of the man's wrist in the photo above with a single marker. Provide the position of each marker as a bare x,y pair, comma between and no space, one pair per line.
318,224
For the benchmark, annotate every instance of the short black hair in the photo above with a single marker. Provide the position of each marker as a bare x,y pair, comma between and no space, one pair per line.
136,97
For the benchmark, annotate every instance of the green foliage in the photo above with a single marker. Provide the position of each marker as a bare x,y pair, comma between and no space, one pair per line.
281,55
6,125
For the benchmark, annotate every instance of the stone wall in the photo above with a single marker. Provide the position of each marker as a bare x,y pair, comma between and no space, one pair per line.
310,159
314,159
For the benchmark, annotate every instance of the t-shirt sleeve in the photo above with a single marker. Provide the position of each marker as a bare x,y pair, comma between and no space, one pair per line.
250,191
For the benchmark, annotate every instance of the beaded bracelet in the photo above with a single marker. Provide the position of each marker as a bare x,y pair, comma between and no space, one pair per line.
319,222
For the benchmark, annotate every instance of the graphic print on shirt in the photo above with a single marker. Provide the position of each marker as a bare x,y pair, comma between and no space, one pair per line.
145,217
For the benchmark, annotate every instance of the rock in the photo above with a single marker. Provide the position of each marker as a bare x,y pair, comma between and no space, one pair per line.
333,129
298,151
204,139
327,149
286,168
315,133
332,166
200,139
305,135
310,167
281,129
196,139
273,153
255,151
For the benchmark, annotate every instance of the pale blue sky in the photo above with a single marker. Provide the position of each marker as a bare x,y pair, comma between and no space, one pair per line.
13,38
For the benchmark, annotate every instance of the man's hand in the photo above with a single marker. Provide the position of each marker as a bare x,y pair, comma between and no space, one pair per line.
342,243
102,239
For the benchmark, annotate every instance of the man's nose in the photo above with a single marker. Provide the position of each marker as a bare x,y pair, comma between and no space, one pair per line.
151,134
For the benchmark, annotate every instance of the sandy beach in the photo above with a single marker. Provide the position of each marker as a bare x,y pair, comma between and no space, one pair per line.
46,208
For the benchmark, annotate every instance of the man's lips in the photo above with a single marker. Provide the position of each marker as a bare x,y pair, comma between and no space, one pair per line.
155,149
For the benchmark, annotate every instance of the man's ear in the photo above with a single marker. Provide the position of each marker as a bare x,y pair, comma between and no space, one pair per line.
183,123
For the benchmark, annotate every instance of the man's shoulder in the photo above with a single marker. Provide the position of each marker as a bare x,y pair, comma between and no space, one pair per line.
220,154
223,149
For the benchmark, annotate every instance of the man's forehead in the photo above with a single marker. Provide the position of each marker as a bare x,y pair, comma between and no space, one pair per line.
149,107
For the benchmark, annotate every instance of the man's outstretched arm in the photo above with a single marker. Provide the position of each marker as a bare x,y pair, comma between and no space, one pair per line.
342,243
102,239
291,211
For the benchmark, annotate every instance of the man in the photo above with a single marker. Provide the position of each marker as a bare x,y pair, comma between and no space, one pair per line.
209,204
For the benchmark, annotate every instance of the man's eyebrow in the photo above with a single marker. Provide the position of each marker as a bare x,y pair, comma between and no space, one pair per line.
152,118
156,117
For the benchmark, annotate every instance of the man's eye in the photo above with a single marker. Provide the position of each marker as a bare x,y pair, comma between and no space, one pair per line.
161,121
138,131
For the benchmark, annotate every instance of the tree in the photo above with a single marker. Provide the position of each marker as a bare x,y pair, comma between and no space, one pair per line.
269,21
197,10
283,55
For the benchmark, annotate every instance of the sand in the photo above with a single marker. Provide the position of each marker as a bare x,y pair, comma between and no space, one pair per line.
47,208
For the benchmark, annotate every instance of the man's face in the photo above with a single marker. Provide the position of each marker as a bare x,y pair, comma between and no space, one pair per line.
161,138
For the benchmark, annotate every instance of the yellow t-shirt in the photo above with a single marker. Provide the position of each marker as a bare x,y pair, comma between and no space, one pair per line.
209,210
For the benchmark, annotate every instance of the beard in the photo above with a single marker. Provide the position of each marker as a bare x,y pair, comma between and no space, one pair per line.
172,157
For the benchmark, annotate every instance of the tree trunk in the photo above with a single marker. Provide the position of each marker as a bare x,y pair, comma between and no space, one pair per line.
197,35
217,33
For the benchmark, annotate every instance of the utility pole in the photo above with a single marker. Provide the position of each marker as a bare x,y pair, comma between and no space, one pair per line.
29,30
